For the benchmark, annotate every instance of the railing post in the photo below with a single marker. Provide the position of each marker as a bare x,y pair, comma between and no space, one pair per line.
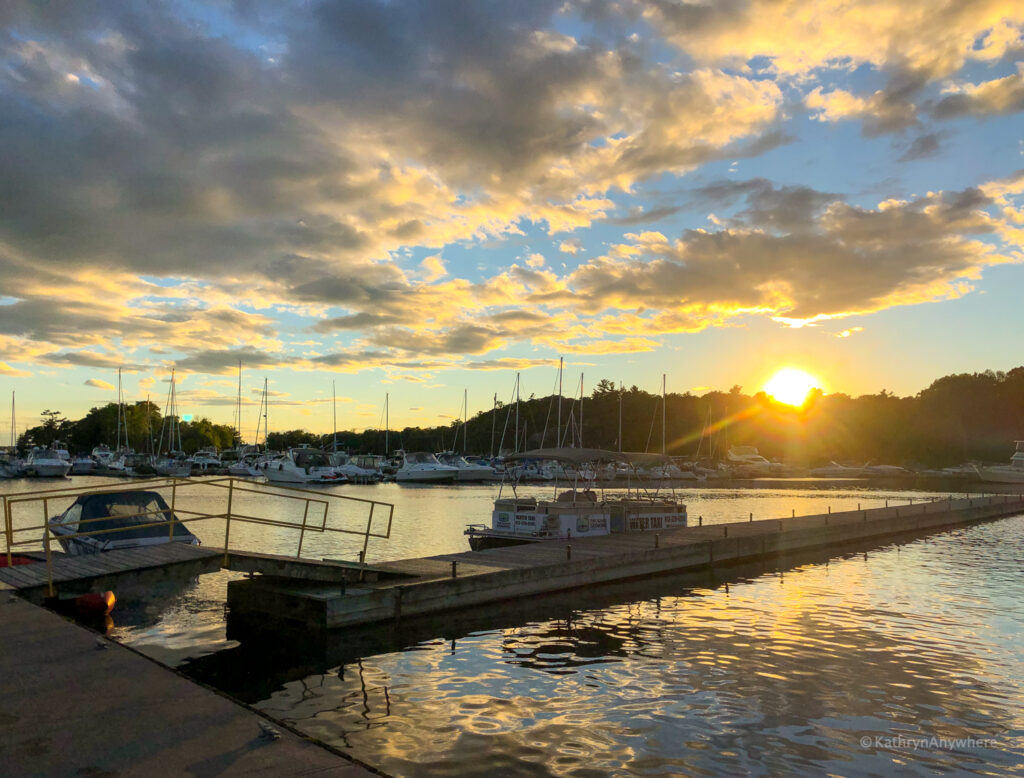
49,560
227,520
174,516
302,532
8,530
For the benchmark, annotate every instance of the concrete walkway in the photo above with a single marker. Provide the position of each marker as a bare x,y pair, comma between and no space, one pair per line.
69,707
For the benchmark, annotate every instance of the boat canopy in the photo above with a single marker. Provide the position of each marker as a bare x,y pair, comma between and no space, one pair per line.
581,456
121,511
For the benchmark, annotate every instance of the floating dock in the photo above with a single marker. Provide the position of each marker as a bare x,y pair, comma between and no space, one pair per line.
452,581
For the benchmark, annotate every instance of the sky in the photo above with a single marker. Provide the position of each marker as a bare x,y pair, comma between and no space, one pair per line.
421,199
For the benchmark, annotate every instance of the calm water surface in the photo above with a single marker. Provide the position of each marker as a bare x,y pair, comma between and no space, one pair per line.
869,664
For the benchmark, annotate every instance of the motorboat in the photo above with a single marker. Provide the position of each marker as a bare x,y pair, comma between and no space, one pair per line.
1006,474
46,463
102,455
127,519
301,466
205,462
354,472
174,465
747,462
887,471
423,467
468,472
133,465
576,512
83,466
247,466
836,470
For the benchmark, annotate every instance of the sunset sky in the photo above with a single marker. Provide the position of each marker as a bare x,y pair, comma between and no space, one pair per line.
424,197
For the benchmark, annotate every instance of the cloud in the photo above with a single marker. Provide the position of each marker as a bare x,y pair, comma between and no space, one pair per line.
839,260
535,260
991,98
573,246
434,267
14,372
99,384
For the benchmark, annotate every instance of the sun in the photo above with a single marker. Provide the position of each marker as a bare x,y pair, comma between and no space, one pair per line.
791,386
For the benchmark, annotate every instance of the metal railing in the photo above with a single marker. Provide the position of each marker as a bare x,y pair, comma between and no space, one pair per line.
20,531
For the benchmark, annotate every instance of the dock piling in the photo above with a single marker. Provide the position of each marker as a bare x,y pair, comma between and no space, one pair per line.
568,553
455,568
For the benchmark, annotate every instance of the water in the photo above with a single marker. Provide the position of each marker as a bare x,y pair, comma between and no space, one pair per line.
868,664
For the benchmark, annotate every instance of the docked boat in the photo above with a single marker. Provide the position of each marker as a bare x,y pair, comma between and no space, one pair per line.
206,461
46,463
576,512
423,467
468,472
301,466
173,465
83,466
747,462
10,466
247,466
836,470
118,520
1006,474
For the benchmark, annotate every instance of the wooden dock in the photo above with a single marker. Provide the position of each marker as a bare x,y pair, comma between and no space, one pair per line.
73,575
472,578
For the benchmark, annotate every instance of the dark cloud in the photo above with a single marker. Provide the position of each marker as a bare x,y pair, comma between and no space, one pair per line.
921,147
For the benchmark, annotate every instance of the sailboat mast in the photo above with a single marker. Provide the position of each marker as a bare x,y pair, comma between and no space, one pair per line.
387,424
494,416
266,416
620,417
663,414
581,410
238,406
334,405
517,413
14,439
558,431
465,421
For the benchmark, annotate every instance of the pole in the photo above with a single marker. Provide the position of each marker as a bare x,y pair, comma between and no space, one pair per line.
465,421
581,410
620,417
517,413
386,424
558,436
238,406
494,416
663,414
334,405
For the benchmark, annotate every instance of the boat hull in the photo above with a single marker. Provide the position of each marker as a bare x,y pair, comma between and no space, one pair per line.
996,475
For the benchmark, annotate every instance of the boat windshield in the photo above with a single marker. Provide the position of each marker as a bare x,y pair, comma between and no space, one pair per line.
421,458
306,458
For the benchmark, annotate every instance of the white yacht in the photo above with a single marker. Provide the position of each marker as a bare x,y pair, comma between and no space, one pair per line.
467,472
836,470
205,461
83,466
46,463
746,461
174,465
247,466
301,466
577,512
1006,474
102,455
423,467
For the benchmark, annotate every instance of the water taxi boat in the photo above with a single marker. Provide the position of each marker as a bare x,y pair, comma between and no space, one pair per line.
577,511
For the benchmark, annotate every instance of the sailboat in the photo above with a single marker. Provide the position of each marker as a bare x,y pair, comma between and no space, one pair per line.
172,463
9,465
467,471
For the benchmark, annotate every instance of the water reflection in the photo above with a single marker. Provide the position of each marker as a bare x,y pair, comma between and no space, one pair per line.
780,672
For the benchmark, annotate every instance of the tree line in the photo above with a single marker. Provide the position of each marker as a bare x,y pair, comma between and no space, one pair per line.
957,418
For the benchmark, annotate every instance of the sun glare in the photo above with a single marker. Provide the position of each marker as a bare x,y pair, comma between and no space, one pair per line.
791,386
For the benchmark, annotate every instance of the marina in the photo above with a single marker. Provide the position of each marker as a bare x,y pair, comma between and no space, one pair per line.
278,595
